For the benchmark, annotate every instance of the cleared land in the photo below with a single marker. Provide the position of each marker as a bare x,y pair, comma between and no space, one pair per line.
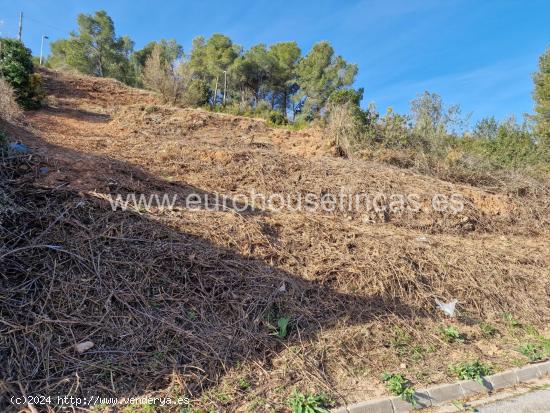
187,302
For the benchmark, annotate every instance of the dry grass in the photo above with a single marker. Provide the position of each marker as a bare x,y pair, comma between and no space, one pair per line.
9,109
342,129
181,302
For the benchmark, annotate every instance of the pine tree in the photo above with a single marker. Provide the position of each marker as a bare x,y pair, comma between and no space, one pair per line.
541,96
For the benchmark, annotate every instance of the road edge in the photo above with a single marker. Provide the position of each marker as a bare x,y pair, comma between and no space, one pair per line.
451,391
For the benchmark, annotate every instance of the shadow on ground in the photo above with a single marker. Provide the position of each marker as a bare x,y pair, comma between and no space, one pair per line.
160,305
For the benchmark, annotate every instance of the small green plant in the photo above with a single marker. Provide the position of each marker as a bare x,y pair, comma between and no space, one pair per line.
191,315
488,330
401,340
150,109
510,320
417,353
531,330
471,370
532,352
451,334
244,384
277,118
282,327
400,386
308,403
222,396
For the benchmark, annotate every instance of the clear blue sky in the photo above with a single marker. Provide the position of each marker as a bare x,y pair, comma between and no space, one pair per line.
477,53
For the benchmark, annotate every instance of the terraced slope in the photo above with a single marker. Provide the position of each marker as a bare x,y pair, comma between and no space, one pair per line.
188,301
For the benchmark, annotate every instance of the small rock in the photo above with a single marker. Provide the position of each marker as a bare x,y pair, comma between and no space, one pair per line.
403,366
84,346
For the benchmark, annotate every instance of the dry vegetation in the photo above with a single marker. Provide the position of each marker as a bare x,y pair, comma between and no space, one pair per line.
183,302
9,109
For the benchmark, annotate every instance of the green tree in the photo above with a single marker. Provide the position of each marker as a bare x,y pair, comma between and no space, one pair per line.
319,74
286,56
95,49
17,68
513,145
433,120
343,96
209,59
486,128
541,96
170,51
253,72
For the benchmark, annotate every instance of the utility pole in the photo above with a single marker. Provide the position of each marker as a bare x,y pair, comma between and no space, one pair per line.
224,85
20,25
42,47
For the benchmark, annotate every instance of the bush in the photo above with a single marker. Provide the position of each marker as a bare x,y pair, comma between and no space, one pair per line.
400,386
160,76
507,144
197,94
344,128
308,403
17,68
9,109
475,370
277,118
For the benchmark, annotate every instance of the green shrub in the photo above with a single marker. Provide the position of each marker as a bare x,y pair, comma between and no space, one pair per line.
400,386
197,94
505,144
451,334
532,352
471,370
308,403
17,68
277,118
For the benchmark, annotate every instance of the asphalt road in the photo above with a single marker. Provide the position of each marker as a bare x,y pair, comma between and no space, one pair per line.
537,401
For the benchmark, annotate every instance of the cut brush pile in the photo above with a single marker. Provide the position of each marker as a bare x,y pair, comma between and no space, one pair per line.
240,311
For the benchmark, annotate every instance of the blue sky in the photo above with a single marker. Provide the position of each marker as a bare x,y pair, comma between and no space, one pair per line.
477,53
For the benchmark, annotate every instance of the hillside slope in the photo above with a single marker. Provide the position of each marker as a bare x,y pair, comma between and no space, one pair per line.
188,301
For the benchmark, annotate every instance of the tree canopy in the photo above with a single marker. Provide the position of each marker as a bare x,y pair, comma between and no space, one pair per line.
541,96
95,49
217,70
16,67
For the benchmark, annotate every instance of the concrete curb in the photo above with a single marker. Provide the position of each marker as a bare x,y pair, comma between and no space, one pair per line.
454,391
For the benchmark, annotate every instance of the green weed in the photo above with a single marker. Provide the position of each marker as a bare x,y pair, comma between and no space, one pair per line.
282,327
451,334
510,320
475,370
401,340
192,315
308,403
244,384
488,330
400,386
532,352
